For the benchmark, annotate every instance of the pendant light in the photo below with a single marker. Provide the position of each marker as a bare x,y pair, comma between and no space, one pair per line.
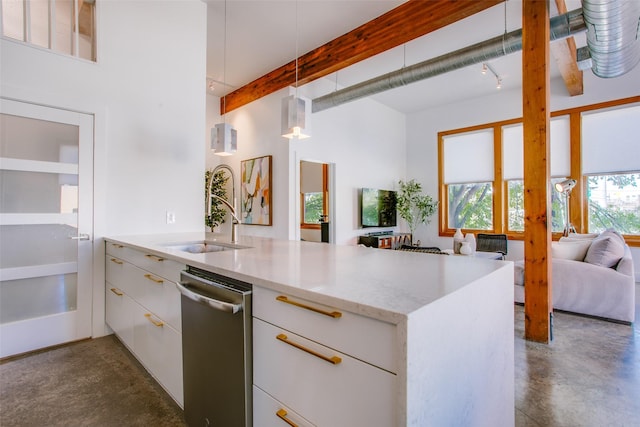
224,138
295,109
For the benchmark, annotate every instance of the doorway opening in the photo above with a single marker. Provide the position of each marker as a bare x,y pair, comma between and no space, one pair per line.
315,202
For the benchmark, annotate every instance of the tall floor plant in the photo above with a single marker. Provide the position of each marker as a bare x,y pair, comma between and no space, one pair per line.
413,206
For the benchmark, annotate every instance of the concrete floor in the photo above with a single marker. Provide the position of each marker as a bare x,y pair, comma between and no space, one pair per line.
588,376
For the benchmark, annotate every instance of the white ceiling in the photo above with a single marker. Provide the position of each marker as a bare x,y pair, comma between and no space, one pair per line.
261,36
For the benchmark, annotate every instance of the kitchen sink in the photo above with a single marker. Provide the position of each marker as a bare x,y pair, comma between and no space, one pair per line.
204,246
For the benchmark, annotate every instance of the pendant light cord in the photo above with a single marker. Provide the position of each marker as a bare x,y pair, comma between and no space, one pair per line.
296,48
224,67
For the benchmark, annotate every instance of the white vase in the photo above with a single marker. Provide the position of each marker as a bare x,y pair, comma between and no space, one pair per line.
457,241
471,238
465,248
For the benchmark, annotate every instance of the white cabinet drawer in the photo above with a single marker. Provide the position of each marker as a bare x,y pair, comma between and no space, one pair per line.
155,264
364,338
115,273
347,393
159,348
156,293
119,314
268,412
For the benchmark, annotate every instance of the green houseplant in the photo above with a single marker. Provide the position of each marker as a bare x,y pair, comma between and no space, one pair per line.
413,206
217,212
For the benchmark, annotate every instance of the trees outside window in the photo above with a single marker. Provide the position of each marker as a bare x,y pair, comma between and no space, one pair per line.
313,208
614,202
471,206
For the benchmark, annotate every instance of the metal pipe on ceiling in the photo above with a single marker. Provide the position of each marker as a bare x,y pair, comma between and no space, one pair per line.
613,35
561,26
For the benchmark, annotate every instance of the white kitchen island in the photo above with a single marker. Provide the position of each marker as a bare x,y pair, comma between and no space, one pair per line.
423,339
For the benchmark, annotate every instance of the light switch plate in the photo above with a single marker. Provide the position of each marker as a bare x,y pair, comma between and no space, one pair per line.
171,217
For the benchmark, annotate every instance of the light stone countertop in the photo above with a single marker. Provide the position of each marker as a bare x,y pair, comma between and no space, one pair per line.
383,284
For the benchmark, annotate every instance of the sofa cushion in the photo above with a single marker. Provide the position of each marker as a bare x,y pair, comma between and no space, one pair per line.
576,236
570,249
606,250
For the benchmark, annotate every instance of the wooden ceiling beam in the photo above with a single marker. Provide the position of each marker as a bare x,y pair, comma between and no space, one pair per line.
410,20
564,54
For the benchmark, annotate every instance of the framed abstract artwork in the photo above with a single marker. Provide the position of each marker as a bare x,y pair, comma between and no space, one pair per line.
255,191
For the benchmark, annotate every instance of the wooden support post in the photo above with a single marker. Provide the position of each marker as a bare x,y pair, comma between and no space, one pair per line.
537,226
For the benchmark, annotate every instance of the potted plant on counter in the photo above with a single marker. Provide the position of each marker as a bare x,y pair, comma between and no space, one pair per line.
413,206
216,214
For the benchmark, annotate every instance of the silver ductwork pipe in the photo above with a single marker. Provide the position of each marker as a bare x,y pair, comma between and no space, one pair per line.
561,26
613,35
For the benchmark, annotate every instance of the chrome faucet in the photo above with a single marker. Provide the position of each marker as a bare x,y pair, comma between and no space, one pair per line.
232,208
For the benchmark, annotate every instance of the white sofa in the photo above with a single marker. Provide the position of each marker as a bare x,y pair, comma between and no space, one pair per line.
596,280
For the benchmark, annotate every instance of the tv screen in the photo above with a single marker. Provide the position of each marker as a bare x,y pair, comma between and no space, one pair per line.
378,208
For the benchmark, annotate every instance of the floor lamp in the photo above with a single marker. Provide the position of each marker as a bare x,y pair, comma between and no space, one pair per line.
565,187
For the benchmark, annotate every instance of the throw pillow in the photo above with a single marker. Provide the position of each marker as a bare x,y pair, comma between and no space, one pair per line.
574,250
606,250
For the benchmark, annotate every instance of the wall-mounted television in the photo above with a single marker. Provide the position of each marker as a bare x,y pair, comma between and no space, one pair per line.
377,208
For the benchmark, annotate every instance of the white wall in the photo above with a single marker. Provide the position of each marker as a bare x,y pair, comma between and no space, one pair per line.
423,128
363,139
147,94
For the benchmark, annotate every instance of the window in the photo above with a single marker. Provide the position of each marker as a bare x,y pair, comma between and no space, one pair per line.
65,26
313,208
513,171
614,202
611,161
481,173
468,175
471,206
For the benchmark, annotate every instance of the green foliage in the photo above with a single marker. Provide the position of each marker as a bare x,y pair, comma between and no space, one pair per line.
218,212
471,206
413,206
313,207
624,219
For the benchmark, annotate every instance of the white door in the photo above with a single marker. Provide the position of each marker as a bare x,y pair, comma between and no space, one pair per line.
46,223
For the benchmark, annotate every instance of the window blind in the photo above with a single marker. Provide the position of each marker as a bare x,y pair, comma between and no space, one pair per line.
468,157
611,140
560,150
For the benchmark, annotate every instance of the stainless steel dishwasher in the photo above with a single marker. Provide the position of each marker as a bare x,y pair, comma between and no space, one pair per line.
216,349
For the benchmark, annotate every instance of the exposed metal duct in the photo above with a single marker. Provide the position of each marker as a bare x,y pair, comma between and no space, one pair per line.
613,35
561,26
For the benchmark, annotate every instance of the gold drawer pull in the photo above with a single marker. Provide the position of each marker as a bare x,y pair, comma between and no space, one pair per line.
282,414
154,279
333,359
115,245
117,261
334,314
155,257
158,323
116,291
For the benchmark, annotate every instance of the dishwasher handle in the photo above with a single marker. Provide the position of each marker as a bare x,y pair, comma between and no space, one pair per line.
213,303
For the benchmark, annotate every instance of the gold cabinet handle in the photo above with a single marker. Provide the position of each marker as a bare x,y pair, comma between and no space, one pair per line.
117,261
158,323
116,245
282,414
334,314
155,257
333,359
154,279
116,291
